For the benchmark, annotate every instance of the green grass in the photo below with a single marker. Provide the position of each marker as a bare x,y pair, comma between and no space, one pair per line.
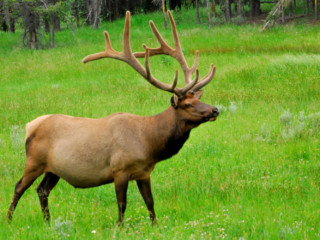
252,174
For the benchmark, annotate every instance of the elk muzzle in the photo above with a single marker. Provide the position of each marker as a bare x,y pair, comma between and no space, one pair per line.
213,114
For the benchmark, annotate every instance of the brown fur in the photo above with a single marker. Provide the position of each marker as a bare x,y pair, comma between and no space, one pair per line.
91,152
121,147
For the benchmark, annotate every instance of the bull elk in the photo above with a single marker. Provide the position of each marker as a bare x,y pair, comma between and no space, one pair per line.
121,147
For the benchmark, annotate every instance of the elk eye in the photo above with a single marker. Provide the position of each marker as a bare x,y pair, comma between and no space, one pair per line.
187,105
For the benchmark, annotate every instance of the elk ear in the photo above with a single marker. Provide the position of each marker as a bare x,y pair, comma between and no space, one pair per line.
174,101
198,94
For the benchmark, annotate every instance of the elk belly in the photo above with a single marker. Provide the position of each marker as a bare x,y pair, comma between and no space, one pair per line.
79,166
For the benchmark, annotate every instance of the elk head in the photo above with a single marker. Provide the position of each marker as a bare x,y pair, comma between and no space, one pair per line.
192,110
186,100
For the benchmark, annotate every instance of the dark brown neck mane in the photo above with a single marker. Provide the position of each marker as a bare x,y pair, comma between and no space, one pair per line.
169,136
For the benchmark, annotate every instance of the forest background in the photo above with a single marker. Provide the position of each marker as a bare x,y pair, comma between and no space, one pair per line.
254,173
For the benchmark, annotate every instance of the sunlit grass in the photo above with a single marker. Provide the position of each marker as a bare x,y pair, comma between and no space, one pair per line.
252,174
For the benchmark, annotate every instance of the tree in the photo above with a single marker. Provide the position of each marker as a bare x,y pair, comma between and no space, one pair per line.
7,12
209,15
316,9
163,2
31,22
197,9
174,3
4,25
255,9
226,9
50,13
93,12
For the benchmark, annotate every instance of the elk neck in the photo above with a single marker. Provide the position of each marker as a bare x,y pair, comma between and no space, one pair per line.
167,134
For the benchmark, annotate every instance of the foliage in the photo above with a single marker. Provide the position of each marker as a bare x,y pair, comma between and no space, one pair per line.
238,20
275,12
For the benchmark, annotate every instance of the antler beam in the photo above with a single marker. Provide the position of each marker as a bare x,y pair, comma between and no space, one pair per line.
131,58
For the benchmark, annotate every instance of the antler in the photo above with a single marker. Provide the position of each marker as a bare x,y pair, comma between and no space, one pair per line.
131,58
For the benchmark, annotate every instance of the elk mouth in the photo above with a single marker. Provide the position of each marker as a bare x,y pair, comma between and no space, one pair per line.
210,118
213,116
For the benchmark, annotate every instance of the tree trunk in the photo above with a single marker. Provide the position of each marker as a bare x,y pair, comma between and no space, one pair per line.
48,30
96,13
52,33
239,8
164,14
282,14
255,9
174,3
56,22
47,26
186,4
93,13
130,6
109,10
4,25
76,12
89,19
11,19
316,9
290,10
33,37
227,14
71,20
209,15
197,9
307,7
213,8
32,23
116,15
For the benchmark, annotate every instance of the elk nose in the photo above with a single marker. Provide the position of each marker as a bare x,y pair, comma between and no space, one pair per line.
215,112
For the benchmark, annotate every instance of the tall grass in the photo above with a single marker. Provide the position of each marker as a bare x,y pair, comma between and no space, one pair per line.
252,174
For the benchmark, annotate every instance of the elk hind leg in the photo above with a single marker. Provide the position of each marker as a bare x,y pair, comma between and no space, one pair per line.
47,184
30,174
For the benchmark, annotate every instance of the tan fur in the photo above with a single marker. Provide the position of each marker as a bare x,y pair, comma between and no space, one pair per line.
31,126
88,152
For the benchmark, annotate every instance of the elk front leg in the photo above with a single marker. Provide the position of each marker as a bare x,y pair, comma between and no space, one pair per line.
145,190
121,184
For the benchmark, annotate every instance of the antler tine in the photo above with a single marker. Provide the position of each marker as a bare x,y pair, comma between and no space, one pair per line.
109,52
163,49
205,80
126,35
99,55
175,36
179,54
191,84
166,49
157,83
196,61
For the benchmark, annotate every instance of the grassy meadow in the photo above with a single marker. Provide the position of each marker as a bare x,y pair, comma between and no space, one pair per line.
252,174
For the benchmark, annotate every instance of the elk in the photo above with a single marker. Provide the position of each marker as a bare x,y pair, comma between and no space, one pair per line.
120,147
